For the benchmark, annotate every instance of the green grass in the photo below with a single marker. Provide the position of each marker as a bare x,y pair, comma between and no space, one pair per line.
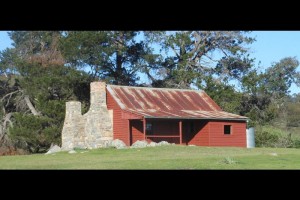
165,157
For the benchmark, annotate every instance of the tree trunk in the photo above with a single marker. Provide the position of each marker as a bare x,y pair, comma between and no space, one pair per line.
30,106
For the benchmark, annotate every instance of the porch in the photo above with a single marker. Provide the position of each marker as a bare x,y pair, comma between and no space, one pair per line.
178,131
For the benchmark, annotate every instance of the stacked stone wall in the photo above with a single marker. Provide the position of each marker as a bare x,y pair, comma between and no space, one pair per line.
94,128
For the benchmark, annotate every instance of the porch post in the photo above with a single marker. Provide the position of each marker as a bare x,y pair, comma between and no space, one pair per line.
180,132
144,128
129,133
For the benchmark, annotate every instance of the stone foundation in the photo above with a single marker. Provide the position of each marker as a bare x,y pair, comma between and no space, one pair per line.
91,130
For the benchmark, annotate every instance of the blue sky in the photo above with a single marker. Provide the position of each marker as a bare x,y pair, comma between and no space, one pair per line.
270,46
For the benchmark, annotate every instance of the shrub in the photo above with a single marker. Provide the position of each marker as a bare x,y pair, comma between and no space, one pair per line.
267,136
296,143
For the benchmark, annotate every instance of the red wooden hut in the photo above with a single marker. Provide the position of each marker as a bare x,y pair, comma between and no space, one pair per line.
188,117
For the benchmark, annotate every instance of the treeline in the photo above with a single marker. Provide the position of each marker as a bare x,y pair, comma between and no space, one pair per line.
44,69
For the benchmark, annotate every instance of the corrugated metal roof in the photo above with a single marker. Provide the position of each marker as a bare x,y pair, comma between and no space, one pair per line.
168,103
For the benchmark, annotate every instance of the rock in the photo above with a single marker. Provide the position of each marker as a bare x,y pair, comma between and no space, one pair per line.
72,151
53,149
163,143
139,144
79,148
152,144
107,144
273,154
118,144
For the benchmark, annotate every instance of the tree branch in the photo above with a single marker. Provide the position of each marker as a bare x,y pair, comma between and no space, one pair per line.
7,119
31,107
9,94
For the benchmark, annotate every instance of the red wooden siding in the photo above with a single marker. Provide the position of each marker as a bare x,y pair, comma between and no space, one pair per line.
162,127
136,131
120,126
236,138
200,134
204,133
165,127
129,129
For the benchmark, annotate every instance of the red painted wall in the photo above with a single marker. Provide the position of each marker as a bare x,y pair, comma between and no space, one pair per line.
120,126
165,127
199,136
237,138
204,133
136,131
160,127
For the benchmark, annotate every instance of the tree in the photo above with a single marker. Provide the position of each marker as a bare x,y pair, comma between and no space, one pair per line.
39,47
224,95
114,56
189,57
265,93
280,76
48,89
36,84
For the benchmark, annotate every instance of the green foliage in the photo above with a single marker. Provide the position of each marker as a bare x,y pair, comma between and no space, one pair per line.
265,139
280,76
265,93
296,143
49,89
186,56
37,132
224,95
293,110
36,72
114,56
268,136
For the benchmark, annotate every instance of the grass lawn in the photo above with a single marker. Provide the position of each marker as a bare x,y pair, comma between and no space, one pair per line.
164,157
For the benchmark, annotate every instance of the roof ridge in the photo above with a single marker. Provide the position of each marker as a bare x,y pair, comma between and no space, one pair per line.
153,88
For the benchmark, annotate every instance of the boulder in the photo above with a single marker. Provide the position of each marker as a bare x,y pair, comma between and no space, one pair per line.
72,151
139,144
152,144
118,144
53,149
163,143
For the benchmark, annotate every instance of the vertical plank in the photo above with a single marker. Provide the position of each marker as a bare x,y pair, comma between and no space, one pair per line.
129,132
180,131
144,127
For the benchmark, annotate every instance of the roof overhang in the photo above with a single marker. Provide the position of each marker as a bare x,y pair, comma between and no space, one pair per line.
225,119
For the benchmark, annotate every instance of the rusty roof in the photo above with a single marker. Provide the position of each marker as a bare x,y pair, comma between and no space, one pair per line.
168,103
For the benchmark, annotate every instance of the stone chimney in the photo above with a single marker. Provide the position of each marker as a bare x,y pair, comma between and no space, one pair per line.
72,124
98,95
94,128
98,126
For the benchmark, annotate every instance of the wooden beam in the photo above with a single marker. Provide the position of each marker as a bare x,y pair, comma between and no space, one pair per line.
164,136
144,128
180,132
129,132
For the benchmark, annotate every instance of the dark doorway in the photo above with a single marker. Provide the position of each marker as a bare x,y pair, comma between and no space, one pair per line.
190,128
136,131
